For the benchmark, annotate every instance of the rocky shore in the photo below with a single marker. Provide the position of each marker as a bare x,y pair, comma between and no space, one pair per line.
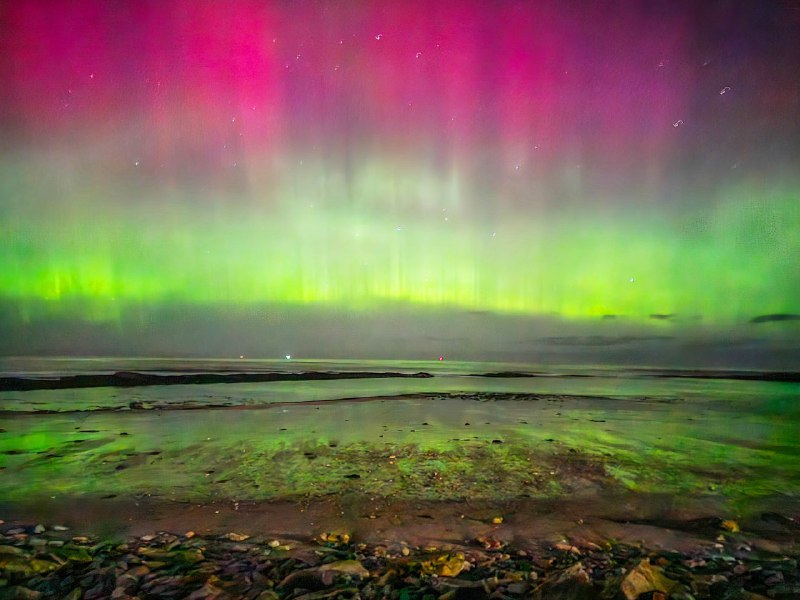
38,561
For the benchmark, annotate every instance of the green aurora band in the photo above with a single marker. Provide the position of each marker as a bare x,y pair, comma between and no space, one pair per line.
397,233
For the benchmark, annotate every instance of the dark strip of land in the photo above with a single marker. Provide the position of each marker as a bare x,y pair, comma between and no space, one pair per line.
135,379
782,376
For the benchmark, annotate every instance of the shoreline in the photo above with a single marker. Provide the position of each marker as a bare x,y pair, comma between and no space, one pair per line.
672,473
656,520
43,561
143,378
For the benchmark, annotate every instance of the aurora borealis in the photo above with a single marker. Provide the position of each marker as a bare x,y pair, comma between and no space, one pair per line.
530,159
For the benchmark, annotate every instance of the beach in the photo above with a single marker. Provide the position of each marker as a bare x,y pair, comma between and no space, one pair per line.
524,459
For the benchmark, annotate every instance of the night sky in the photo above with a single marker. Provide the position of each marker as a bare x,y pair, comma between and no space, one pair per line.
383,179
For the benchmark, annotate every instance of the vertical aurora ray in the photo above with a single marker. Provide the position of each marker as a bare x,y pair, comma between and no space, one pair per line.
534,160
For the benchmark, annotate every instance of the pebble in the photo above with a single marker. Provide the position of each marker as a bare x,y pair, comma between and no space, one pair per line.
166,565
518,588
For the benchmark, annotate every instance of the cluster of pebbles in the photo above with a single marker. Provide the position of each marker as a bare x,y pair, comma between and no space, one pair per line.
52,562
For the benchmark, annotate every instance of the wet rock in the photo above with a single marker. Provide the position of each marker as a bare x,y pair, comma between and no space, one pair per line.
646,578
19,592
342,592
706,586
127,583
518,588
445,565
119,594
6,550
100,590
773,578
730,525
457,589
784,592
573,583
563,547
139,571
23,566
307,579
745,595
345,567
207,592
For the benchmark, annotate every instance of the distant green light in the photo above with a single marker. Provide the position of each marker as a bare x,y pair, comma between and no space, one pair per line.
386,241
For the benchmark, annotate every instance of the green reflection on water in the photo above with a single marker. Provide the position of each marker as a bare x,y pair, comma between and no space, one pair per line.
738,443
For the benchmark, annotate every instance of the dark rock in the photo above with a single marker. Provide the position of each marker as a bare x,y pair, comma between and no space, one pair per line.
307,579
573,583
100,590
207,592
519,588
707,585
778,317
644,578
19,592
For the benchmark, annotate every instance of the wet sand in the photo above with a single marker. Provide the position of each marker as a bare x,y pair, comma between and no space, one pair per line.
558,468
315,431
553,465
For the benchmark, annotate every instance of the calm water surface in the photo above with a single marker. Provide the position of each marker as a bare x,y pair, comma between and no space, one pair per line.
732,440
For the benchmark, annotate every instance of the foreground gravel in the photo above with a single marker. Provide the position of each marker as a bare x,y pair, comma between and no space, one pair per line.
53,562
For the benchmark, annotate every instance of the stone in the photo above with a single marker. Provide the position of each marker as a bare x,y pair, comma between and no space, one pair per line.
573,583
307,579
644,578
518,588
19,592
346,567
206,592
